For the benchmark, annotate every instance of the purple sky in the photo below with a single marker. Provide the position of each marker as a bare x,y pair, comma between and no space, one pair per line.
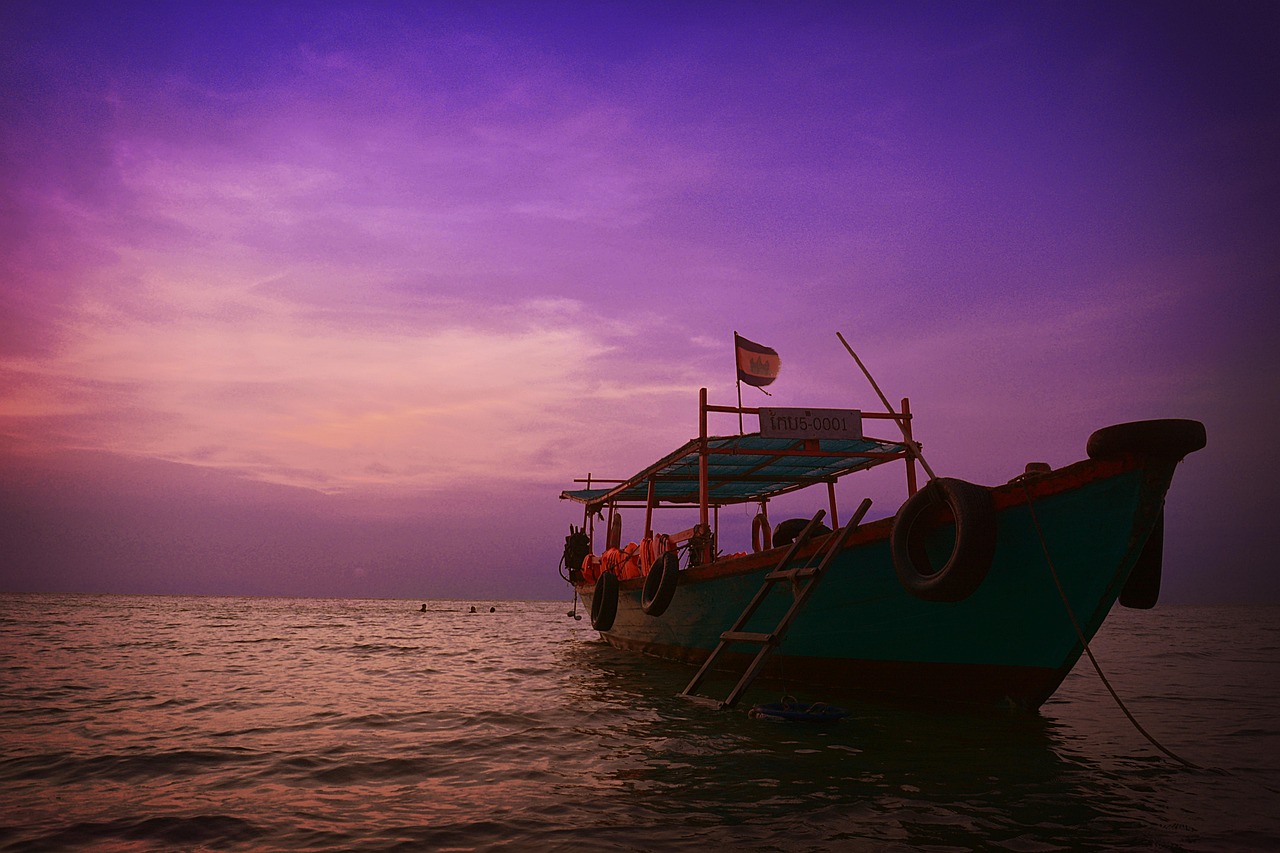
333,299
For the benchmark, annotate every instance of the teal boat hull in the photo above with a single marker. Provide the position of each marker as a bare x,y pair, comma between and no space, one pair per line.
1050,585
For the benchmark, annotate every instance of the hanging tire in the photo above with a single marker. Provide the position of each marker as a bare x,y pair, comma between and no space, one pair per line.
761,536
660,585
975,541
787,531
1142,590
604,602
1171,438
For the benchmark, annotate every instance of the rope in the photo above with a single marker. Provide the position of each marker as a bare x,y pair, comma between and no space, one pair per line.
1085,643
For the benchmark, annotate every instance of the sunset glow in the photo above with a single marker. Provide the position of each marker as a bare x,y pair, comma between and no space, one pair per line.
426,264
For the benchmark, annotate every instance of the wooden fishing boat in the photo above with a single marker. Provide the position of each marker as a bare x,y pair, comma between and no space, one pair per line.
970,594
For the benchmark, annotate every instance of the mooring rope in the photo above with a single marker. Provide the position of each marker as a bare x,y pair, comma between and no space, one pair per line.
1085,643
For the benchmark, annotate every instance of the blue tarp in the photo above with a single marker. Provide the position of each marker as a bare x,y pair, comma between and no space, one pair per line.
741,468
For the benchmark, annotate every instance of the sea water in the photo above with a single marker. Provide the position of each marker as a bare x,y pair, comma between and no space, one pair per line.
169,723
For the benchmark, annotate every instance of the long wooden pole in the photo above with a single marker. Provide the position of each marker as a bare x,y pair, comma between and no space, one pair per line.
704,477
703,474
912,447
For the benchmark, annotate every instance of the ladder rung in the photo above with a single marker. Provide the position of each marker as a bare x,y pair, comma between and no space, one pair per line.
747,637
703,700
791,574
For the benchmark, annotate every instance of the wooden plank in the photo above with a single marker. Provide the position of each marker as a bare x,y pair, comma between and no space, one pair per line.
755,410
747,637
683,535
791,574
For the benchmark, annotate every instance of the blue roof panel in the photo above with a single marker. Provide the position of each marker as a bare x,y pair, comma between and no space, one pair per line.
745,468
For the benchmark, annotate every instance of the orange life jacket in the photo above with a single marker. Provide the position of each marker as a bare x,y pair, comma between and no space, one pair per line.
591,568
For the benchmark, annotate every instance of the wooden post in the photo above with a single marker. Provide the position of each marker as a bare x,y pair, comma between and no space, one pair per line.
715,536
911,459
589,520
831,496
648,510
704,476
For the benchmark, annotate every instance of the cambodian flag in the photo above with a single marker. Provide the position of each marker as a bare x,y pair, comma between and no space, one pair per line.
757,364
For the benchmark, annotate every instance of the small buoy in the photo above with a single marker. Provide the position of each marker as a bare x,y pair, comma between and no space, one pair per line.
473,608
492,609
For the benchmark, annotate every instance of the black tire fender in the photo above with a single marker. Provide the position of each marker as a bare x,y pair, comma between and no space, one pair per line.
1170,438
787,531
975,541
1142,590
604,602
660,584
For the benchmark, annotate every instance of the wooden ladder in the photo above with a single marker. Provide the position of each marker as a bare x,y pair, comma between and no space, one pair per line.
803,580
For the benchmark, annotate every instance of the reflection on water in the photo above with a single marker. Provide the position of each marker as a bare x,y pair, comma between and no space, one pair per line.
1075,777
904,777
272,724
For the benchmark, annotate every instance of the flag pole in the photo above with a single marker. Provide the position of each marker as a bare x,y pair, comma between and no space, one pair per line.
913,447
737,380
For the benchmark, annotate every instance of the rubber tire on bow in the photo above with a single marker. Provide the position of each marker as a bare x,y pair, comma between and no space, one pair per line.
660,584
604,602
1171,438
975,541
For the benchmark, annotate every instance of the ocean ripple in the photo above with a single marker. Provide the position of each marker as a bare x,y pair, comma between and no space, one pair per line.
136,723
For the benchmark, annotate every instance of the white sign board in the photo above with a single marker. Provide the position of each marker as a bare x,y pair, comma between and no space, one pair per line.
810,423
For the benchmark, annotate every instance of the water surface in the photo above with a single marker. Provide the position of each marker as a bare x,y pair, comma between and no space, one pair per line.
136,723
